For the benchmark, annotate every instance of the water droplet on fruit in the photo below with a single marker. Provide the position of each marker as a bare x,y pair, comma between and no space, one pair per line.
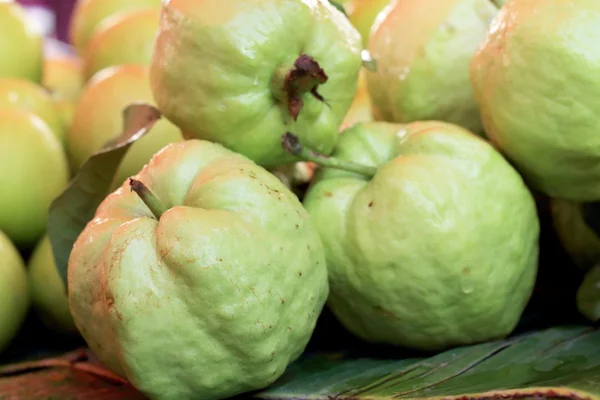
467,286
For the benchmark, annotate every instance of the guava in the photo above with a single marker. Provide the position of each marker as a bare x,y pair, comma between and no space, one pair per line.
535,79
34,172
23,94
98,118
360,110
423,50
431,236
363,13
14,296
580,242
88,15
588,294
243,72
203,282
21,44
127,38
47,290
63,77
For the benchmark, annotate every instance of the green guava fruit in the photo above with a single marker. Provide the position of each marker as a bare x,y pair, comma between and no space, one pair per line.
30,96
88,15
63,77
98,118
47,290
431,236
125,39
203,282
363,13
360,110
243,72
588,295
14,296
580,242
535,79
423,50
34,172
21,45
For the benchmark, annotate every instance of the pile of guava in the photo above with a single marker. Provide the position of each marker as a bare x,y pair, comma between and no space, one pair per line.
382,160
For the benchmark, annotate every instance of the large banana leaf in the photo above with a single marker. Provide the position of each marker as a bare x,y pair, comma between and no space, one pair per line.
561,362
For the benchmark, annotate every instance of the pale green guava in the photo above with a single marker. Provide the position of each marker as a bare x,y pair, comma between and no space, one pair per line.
244,72
536,81
422,50
588,295
14,296
432,242
21,45
209,286
580,242
48,294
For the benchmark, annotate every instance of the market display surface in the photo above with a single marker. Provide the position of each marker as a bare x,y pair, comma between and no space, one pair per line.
301,199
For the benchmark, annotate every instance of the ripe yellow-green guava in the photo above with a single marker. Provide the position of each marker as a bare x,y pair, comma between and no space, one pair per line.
431,236
125,39
536,81
243,72
423,50
14,296
98,118
21,45
88,15
203,282
34,171
24,94
47,290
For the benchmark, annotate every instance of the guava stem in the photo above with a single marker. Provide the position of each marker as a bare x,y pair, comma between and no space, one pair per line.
290,84
150,199
291,144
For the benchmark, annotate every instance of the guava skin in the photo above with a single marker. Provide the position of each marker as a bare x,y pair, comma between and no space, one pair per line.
14,296
214,299
423,68
21,46
34,172
588,294
580,242
47,290
536,81
219,71
439,249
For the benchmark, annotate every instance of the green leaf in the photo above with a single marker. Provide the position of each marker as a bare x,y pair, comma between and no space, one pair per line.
591,215
75,207
562,362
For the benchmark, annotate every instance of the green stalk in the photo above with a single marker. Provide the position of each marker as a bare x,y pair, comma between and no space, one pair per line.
150,199
291,144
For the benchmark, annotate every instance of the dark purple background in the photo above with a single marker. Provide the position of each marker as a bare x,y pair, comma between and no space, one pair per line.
62,10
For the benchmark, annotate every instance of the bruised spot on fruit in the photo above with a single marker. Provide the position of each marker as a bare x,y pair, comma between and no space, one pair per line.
297,226
384,312
282,300
305,77
328,194
467,271
371,204
299,273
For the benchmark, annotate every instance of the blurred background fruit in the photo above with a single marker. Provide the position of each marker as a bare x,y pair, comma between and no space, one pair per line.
88,15
363,13
360,110
63,77
423,68
34,171
26,95
127,38
98,118
21,44
47,290
14,294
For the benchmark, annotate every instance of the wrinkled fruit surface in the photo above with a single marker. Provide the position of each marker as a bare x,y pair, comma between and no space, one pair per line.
213,299
244,72
423,67
533,48
439,249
